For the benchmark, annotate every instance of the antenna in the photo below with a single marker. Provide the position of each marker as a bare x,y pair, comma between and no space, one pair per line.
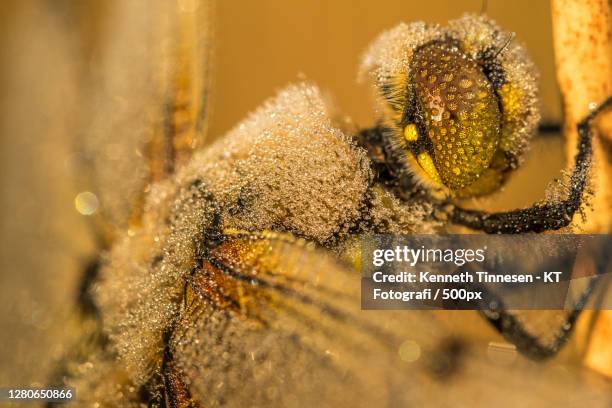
483,7
503,47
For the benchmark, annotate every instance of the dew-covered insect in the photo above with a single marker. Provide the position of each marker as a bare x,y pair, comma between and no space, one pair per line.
459,108
238,284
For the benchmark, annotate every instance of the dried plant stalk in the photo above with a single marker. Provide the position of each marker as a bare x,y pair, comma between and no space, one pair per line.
583,51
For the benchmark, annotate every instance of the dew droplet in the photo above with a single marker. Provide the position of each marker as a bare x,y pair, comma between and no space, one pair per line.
465,83
409,351
86,203
502,353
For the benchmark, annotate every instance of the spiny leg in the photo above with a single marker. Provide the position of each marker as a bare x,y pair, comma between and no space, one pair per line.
538,218
509,326
542,217
494,309
512,329
546,216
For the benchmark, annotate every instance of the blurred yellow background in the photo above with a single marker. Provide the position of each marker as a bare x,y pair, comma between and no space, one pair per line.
263,45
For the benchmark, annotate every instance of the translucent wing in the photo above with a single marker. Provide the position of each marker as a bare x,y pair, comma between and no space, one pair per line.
145,100
274,322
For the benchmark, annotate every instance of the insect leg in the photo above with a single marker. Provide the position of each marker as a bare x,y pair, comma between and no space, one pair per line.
546,216
528,344
493,309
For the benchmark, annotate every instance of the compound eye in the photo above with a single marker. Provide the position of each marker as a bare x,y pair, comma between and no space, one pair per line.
459,111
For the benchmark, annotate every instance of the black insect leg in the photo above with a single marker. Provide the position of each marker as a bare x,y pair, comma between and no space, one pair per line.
549,129
512,329
547,216
539,218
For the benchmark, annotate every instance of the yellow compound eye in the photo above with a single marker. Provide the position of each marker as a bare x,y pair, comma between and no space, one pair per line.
411,133
461,113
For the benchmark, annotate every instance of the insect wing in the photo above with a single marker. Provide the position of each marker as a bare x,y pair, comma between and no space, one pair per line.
275,322
146,101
